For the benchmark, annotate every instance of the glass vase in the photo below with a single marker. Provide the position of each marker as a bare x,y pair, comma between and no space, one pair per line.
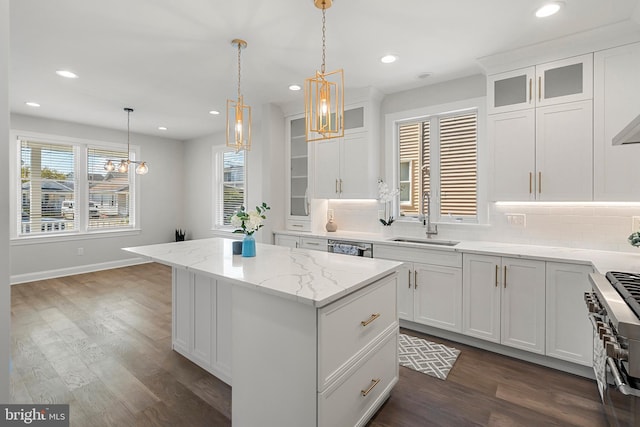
248,246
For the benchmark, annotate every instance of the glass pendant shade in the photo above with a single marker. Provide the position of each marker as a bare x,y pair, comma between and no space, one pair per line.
324,106
123,167
238,125
142,168
109,166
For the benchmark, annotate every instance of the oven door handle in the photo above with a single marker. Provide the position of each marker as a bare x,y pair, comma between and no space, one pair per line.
621,386
362,248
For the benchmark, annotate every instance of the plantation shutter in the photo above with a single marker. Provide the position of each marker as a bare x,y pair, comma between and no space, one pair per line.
458,165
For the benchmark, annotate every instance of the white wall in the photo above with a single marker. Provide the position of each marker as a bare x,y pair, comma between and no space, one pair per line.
5,290
265,180
160,208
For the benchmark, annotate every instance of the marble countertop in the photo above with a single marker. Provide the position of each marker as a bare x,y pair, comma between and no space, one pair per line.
310,277
602,261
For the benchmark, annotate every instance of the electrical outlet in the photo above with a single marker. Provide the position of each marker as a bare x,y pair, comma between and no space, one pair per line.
80,251
635,223
517,220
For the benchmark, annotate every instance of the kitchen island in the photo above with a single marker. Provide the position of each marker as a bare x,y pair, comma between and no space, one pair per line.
305,338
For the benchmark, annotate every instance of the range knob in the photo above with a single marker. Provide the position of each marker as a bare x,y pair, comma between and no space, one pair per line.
614,351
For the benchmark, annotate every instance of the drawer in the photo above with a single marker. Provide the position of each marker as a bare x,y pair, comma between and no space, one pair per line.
444,257
298,225
313,243
348,326
343,404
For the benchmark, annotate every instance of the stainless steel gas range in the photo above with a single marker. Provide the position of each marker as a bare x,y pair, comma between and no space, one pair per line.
614,311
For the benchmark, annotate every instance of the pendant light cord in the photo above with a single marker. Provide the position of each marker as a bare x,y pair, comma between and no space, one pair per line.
239,67
324,38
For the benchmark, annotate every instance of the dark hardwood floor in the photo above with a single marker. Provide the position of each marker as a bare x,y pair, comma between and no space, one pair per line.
102,343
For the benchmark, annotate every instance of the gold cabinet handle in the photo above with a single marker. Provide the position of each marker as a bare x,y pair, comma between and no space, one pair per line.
530,183
373,317
409,271
415,279
530,90
540,88
505,277
341,186
539,182
497,269
374,382
337,185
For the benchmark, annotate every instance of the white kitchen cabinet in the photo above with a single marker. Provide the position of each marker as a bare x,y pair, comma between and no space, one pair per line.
202,321
287,241
305,242
551,83
569,334
429,285
505,298
543,154
616,104
297,175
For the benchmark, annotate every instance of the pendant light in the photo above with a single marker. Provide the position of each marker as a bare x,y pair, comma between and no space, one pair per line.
238,113
324,95
123,165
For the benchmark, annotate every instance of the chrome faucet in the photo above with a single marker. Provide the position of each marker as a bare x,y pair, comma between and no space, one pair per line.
431,229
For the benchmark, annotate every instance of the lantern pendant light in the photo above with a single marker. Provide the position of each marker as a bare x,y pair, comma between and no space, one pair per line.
324,95
238,113
123,165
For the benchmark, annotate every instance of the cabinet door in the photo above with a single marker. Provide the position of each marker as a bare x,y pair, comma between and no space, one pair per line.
204,301
616,104
327,179
569,333
481,284
564,152
567,80
355,182
405,292
438,296
512,139
287,241
510,91
523,299
181,307
298,169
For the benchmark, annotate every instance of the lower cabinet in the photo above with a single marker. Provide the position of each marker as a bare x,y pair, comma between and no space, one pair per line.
287,241
305,242
429,292
202,321
504,300
569,331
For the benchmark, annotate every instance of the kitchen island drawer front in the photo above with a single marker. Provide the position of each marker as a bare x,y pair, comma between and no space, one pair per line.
347,326
444,257
355,396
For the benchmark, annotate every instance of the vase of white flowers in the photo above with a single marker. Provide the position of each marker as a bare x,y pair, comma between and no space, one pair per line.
386,196
248,223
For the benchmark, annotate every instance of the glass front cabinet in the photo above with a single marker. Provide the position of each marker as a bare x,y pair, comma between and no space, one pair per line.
298,175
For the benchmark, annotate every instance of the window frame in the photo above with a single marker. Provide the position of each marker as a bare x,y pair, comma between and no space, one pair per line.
409,181
392,155
217,223
80,148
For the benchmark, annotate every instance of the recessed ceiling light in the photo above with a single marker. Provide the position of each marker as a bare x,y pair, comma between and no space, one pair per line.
388,59
66,73
32,104
548,9
294,87
162,128
214,112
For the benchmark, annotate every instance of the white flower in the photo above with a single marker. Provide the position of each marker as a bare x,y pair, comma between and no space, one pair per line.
236,221
255,221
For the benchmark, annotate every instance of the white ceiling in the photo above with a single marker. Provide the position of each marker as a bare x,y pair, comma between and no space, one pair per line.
172,61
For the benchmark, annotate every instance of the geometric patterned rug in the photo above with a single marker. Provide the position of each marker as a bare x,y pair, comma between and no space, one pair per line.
425,356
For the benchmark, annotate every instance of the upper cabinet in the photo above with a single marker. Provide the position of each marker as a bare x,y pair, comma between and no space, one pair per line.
551,83
616,102
540,130
298,182
348,167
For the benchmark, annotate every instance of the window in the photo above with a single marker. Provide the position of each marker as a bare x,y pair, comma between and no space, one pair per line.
63,188
230,188
443,151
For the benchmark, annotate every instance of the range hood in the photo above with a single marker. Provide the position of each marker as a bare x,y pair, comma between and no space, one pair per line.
630,134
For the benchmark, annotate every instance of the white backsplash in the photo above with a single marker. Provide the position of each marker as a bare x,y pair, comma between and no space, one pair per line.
576,226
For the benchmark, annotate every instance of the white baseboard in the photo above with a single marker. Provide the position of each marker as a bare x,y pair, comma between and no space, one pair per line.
89,268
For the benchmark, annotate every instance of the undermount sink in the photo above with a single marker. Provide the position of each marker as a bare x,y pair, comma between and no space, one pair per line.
425,241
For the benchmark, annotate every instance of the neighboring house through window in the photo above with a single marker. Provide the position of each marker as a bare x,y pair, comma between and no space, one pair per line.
229,184
64,189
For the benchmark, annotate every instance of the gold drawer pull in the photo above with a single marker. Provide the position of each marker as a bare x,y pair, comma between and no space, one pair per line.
373,317
374,382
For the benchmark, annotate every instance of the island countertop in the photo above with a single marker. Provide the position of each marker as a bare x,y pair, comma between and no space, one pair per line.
310,277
